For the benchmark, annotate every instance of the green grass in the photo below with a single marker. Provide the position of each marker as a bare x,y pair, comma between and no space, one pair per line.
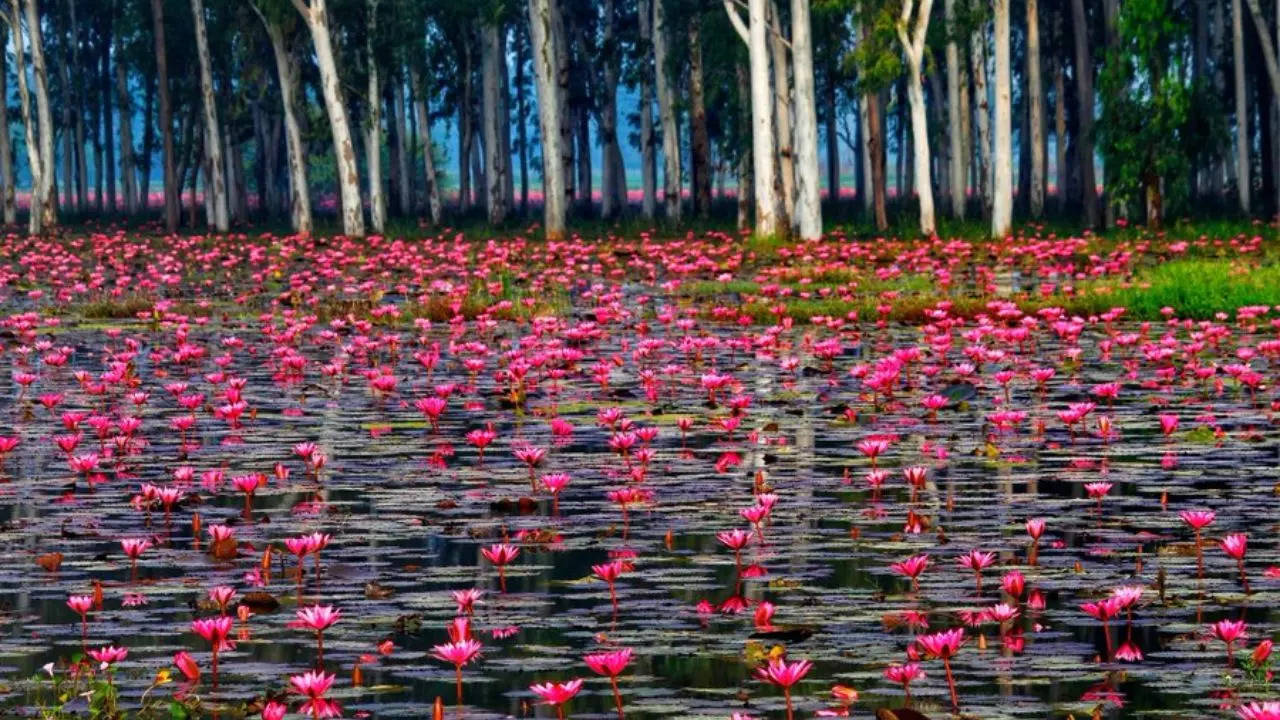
1198,288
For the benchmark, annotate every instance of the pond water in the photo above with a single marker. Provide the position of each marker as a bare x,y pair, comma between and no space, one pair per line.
409,508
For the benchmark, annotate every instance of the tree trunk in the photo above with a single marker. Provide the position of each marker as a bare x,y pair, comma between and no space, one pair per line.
466,132
768,222
785,157
213,136
955,110
522,133
582,129
746,188
1084,104
982,113
287,77
105,105
6,143
562,45
68,142
1035,97
1243,180
649,170
808,193
1059,133
543,40
148,144
171,179
700,139
504,124
238,192
864,137
76,106
373,126
833,140
316,17
613,196
495,175
47,203
34,161
671,185
404,187
1002,191
434,208
913,48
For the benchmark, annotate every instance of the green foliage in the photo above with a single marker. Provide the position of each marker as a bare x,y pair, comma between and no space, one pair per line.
876,59
1147,133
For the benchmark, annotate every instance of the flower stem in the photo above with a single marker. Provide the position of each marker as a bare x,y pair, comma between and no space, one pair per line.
951,684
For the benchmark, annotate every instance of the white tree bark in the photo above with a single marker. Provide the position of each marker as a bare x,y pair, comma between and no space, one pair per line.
1002,156
494,108
762,147
808,197
316,17
1035,99
959,159
44,201
785,157
212,130
373,127
287,76
34,163
543,38
911,33
671,184
434,207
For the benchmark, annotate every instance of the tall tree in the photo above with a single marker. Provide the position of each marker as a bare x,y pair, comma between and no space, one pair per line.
434,205
543,39
755,34
6,144
1084,113
1002,177
912,28
1243,180
492,68
40,172
212,129
700,141
1035,112
296,154
613,196
373,122
956,111
671,180
808,193
315,15
782,124
171,179
981,113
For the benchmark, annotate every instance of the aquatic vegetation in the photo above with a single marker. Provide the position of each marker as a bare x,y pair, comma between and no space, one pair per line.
975,462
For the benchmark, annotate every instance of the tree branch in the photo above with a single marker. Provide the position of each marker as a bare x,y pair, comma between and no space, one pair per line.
1268,49
736,20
